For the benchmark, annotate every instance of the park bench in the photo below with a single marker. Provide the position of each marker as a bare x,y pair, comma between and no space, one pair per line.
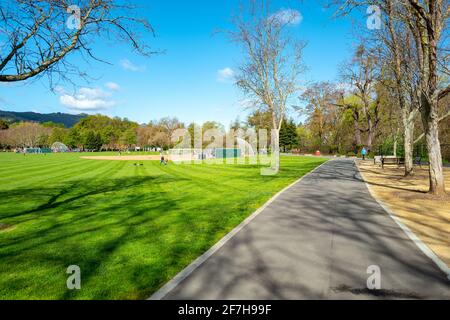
392,160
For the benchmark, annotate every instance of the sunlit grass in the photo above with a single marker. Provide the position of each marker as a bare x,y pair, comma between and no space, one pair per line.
129,228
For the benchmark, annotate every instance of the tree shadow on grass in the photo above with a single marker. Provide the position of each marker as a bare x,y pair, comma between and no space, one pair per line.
74,191
74,213
123,216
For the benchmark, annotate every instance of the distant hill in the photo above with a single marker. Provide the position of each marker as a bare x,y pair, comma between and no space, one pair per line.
68,120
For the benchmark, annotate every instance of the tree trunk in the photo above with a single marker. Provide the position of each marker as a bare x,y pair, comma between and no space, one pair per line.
275,155
357,133
409,146
370,135
431,125
276,150
408,117
395,143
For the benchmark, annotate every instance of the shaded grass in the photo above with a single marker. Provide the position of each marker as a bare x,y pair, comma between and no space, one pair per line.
129,228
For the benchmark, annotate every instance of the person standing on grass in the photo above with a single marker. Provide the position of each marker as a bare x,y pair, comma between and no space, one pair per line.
163,160
364,153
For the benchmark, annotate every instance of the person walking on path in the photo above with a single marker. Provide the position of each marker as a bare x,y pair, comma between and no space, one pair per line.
364,153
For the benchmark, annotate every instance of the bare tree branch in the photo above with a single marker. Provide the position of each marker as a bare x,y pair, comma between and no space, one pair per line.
38,38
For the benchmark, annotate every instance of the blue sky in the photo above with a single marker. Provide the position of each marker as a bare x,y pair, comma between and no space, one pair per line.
189,80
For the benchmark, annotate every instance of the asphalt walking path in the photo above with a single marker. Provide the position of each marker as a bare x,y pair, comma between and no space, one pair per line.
316,241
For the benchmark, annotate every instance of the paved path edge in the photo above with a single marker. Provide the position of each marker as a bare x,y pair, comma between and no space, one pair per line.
411,235
183,274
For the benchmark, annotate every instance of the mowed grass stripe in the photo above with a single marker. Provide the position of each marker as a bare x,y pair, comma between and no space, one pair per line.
56,172
36,166
32,161
12,161
63,197
49,194
36,162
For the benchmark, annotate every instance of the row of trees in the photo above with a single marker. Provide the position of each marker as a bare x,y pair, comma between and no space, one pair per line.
338,122
100,132
96,132
399,71
408,56
26,134
91,133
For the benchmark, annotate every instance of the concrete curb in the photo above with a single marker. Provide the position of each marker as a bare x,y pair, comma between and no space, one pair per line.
411,235
172,284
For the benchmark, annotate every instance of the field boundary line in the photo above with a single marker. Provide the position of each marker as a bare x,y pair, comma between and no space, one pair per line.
410,234
183,274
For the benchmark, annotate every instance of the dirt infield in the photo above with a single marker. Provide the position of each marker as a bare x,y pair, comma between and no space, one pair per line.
126,158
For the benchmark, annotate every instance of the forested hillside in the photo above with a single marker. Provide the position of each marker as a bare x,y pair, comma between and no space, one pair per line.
68,120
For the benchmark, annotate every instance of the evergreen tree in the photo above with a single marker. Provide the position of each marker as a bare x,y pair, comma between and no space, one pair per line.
93,141
288,135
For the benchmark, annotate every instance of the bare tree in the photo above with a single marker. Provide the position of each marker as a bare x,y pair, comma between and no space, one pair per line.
145,135
169,125
427,23
323,113
362,74
407,64
24,134
36,37
397,58
272,65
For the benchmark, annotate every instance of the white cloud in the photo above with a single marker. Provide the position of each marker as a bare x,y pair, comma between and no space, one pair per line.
129,66
288,16
112,86
85,104
225,75
92,93
87,99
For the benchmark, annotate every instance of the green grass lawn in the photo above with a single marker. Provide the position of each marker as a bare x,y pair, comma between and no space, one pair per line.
130,229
